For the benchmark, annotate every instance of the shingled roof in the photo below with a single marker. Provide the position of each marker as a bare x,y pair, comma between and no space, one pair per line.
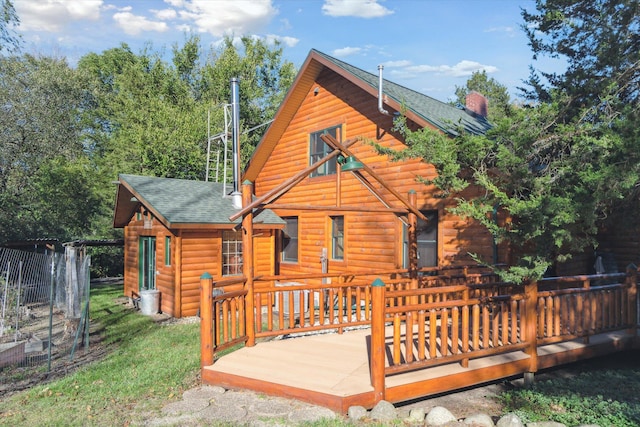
180,203
422,109
443,116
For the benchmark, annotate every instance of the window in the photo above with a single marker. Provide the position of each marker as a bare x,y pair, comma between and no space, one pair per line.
290,240
427,237
231,253
167,250
337,237
318,149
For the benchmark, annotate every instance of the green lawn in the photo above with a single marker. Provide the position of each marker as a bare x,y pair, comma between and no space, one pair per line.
147,365
603,391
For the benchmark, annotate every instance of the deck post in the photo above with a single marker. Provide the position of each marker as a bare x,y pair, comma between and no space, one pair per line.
206,320
377,360
632,284
247,264
531,324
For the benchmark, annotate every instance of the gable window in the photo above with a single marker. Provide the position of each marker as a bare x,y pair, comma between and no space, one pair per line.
290,240
337,237
427,237
318,149
231,253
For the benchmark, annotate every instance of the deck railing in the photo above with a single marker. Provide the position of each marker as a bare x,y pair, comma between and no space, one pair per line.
419,320
447,324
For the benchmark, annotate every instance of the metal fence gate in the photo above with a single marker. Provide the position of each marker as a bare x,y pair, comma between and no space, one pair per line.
43,306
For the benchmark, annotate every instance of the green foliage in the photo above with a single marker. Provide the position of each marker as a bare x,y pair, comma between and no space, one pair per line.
67,133
9,40
42,150
264,77
599,40
554,181
152,116
555,170
601,397
134,375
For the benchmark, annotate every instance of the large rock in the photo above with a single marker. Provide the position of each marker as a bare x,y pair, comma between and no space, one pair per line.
416,416
383,411
439,416
479,420
509,420
356,413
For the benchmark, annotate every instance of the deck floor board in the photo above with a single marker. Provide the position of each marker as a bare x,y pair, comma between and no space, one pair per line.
330,368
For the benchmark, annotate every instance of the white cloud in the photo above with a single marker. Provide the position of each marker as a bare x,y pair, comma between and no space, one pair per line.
346,51
356,8
164,14
287,41
54,15
135,24
396,64
226,17
463,68
509,31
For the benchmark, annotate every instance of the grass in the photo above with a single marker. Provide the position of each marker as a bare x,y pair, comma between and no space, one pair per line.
147,365
604,392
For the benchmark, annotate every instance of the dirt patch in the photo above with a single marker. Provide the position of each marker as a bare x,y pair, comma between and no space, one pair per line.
68,350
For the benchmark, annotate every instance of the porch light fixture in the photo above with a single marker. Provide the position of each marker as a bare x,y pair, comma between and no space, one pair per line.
349,164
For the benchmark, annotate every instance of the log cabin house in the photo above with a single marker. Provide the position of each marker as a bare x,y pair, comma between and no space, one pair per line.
174,229
340,219
367,248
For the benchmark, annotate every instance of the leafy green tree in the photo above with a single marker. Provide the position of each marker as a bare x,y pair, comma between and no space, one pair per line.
153,115
497,94
558,168
42,149
264,78
9,40
600,40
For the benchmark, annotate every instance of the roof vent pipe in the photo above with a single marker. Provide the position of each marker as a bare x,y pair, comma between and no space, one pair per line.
380,108
236,195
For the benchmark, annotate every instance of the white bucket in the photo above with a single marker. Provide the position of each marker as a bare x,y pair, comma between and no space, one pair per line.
149,301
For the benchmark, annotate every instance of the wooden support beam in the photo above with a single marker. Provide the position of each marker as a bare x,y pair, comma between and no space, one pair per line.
331,141
206,320
377,361
287,185
333,208
247,264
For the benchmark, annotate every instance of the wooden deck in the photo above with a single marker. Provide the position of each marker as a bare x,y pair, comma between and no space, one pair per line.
332,370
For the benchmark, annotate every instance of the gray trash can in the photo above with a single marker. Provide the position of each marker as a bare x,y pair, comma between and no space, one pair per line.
149,301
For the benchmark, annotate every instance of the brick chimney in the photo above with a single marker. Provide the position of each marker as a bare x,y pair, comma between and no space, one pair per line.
477,103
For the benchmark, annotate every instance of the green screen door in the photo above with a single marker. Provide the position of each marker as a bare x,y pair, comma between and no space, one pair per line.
147,265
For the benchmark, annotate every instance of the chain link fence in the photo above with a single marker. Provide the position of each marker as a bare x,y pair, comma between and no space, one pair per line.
43,307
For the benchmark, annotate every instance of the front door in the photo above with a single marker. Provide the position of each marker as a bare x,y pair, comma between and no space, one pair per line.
147,263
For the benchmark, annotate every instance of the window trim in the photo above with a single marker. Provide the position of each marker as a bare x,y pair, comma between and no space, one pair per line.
336,238
331,165
283,252
228,268
434,213
167,251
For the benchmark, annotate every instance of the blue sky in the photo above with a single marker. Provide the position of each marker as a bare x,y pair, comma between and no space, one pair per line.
430,46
